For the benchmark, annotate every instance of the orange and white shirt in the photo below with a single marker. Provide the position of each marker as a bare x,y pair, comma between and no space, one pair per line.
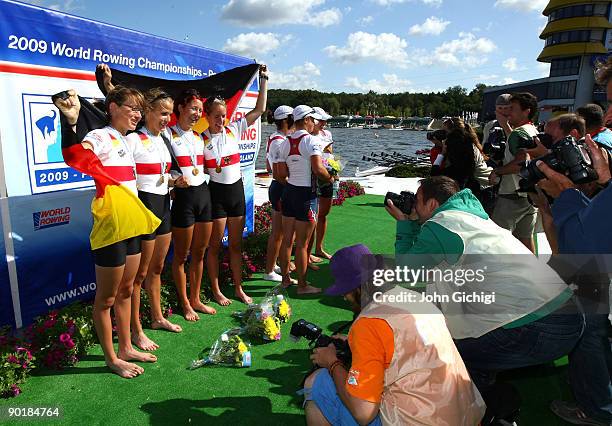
188,148
152,159
222,152
115,153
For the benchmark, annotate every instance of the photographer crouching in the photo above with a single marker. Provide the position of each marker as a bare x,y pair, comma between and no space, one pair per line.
405,368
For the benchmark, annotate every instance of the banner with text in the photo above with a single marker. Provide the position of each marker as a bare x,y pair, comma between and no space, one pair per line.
43,52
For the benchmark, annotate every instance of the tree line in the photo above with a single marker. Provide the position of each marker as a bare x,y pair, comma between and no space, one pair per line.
451,102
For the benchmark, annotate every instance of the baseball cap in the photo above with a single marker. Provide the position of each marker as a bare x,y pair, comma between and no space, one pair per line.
503,99
351,267
324,116
302,111
282,112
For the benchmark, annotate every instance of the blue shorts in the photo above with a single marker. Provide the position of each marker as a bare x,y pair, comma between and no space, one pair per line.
275,192
300,202
324,395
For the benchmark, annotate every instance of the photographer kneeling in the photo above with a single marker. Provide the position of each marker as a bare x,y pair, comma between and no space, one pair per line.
405,368
532,318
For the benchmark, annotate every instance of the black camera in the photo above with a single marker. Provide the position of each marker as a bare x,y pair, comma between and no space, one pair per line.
545,139
568,157
495,147
439,134
404,200
314,334
527,144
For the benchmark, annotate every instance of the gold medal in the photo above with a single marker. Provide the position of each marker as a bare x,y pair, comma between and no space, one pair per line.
162,179
195,171
218,169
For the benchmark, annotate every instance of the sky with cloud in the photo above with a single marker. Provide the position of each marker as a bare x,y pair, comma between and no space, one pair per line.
388,46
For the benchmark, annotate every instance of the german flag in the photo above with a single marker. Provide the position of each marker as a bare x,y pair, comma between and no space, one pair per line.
231,85
117,212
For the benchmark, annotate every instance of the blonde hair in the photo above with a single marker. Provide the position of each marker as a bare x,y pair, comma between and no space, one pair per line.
211,101
154,97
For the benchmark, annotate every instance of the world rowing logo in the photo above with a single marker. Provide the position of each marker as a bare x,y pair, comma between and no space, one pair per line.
49,218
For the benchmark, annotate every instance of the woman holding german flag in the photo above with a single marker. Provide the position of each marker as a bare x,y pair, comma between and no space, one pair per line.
119,216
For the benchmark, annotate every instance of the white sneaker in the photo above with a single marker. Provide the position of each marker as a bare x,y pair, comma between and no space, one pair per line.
273,276
277,269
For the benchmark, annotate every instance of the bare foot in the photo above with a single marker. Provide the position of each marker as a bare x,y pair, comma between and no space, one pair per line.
190,314
166,325
313,267
323,254
127,370
289,283
133,355
291,266
201,307
308,289
143,342
221,299
314,259
240,294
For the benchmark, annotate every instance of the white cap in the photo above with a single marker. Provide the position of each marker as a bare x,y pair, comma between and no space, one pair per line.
302,111
324,116
282,112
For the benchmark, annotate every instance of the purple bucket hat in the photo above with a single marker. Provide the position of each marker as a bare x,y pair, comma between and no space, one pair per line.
351,267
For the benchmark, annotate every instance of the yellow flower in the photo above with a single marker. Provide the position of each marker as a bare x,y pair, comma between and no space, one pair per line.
242,348
271,328
284,311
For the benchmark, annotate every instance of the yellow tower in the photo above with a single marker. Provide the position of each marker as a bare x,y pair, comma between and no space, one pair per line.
575,37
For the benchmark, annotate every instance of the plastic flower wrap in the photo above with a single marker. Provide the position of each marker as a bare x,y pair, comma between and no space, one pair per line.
333,164
229,350
259,320
278,297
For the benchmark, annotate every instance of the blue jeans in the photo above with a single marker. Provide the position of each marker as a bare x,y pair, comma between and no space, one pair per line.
502,349
323,393
590,369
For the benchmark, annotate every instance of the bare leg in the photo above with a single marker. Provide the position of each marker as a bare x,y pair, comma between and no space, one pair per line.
274,242
153,284
303,231
182,241
212,260
199,244
107,283
138,336
123,305
284,254
528,242
235,225
324,208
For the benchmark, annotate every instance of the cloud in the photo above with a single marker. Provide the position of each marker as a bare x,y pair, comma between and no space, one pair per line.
431,26
436,3
366,20
467,51
522,5
66,6
510,64
299,77
543,69
360,46
494,80
255,44
257,13
390,83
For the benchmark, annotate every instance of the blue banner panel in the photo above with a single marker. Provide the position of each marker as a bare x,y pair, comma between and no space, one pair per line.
6,302
52,252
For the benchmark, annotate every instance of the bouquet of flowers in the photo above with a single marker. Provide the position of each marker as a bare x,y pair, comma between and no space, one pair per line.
278,297
259,320
334,166
229,350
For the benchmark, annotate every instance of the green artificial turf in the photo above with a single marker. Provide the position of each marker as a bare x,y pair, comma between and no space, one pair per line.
169,393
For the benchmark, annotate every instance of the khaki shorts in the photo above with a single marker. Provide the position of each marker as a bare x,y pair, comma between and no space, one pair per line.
515,214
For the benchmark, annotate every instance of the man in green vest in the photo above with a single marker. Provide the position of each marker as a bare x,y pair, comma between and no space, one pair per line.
532,319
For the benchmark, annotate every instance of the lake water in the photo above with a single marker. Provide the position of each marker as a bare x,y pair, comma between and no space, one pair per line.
352,144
